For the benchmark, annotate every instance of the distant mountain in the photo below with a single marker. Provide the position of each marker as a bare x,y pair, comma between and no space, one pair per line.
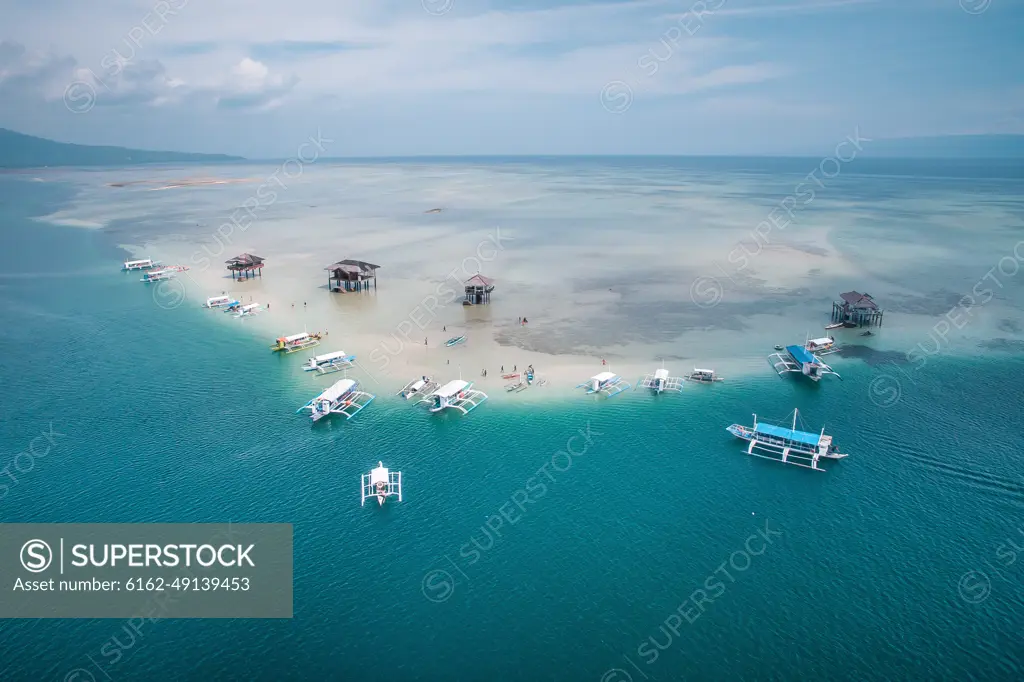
949,147
26,151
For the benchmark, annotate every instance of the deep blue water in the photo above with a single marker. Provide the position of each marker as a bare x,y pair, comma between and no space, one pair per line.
169,418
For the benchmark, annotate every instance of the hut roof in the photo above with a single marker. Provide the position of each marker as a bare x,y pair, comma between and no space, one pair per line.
480,281
858,300
349,265
245,259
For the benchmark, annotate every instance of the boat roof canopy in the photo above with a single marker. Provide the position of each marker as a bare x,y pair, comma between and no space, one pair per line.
451,388
327,357
337,390
788,434
661,374
801,355
604,376
379,475
697,370
823,341
294,337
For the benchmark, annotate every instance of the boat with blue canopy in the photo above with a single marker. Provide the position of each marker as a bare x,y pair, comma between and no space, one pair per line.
786,445
799,359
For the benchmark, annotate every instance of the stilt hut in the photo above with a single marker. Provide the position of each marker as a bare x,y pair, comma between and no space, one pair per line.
478,290
856,310
351,275
245,266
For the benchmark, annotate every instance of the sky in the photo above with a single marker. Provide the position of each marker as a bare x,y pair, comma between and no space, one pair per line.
258,78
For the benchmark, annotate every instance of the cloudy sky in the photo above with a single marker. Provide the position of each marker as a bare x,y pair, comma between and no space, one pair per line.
404,77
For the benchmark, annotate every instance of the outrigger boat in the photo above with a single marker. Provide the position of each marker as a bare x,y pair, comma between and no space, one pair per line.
457,394
329,363
607,383
822,346
704,376
788,446
455,340
167,272
341,398
418,387
517,386
220,302
800,360
295,342
661,381
159,275
381,483
248,310
141,264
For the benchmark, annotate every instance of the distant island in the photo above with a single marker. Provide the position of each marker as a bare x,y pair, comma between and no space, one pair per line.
25,151
948,147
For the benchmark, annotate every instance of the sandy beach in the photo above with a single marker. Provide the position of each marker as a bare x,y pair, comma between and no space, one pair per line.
613,264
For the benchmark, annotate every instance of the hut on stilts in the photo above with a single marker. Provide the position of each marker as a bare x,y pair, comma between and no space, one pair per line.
478,290
351,275
856,310
245,266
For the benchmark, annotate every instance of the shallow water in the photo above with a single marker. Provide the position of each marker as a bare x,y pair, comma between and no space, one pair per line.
171,414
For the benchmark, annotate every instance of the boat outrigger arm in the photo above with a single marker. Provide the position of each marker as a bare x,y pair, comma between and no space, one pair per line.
459,395
606,383
341,398
801,361
381,483
660,381
422,386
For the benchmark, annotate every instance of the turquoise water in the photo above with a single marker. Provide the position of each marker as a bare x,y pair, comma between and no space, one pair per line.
166,417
